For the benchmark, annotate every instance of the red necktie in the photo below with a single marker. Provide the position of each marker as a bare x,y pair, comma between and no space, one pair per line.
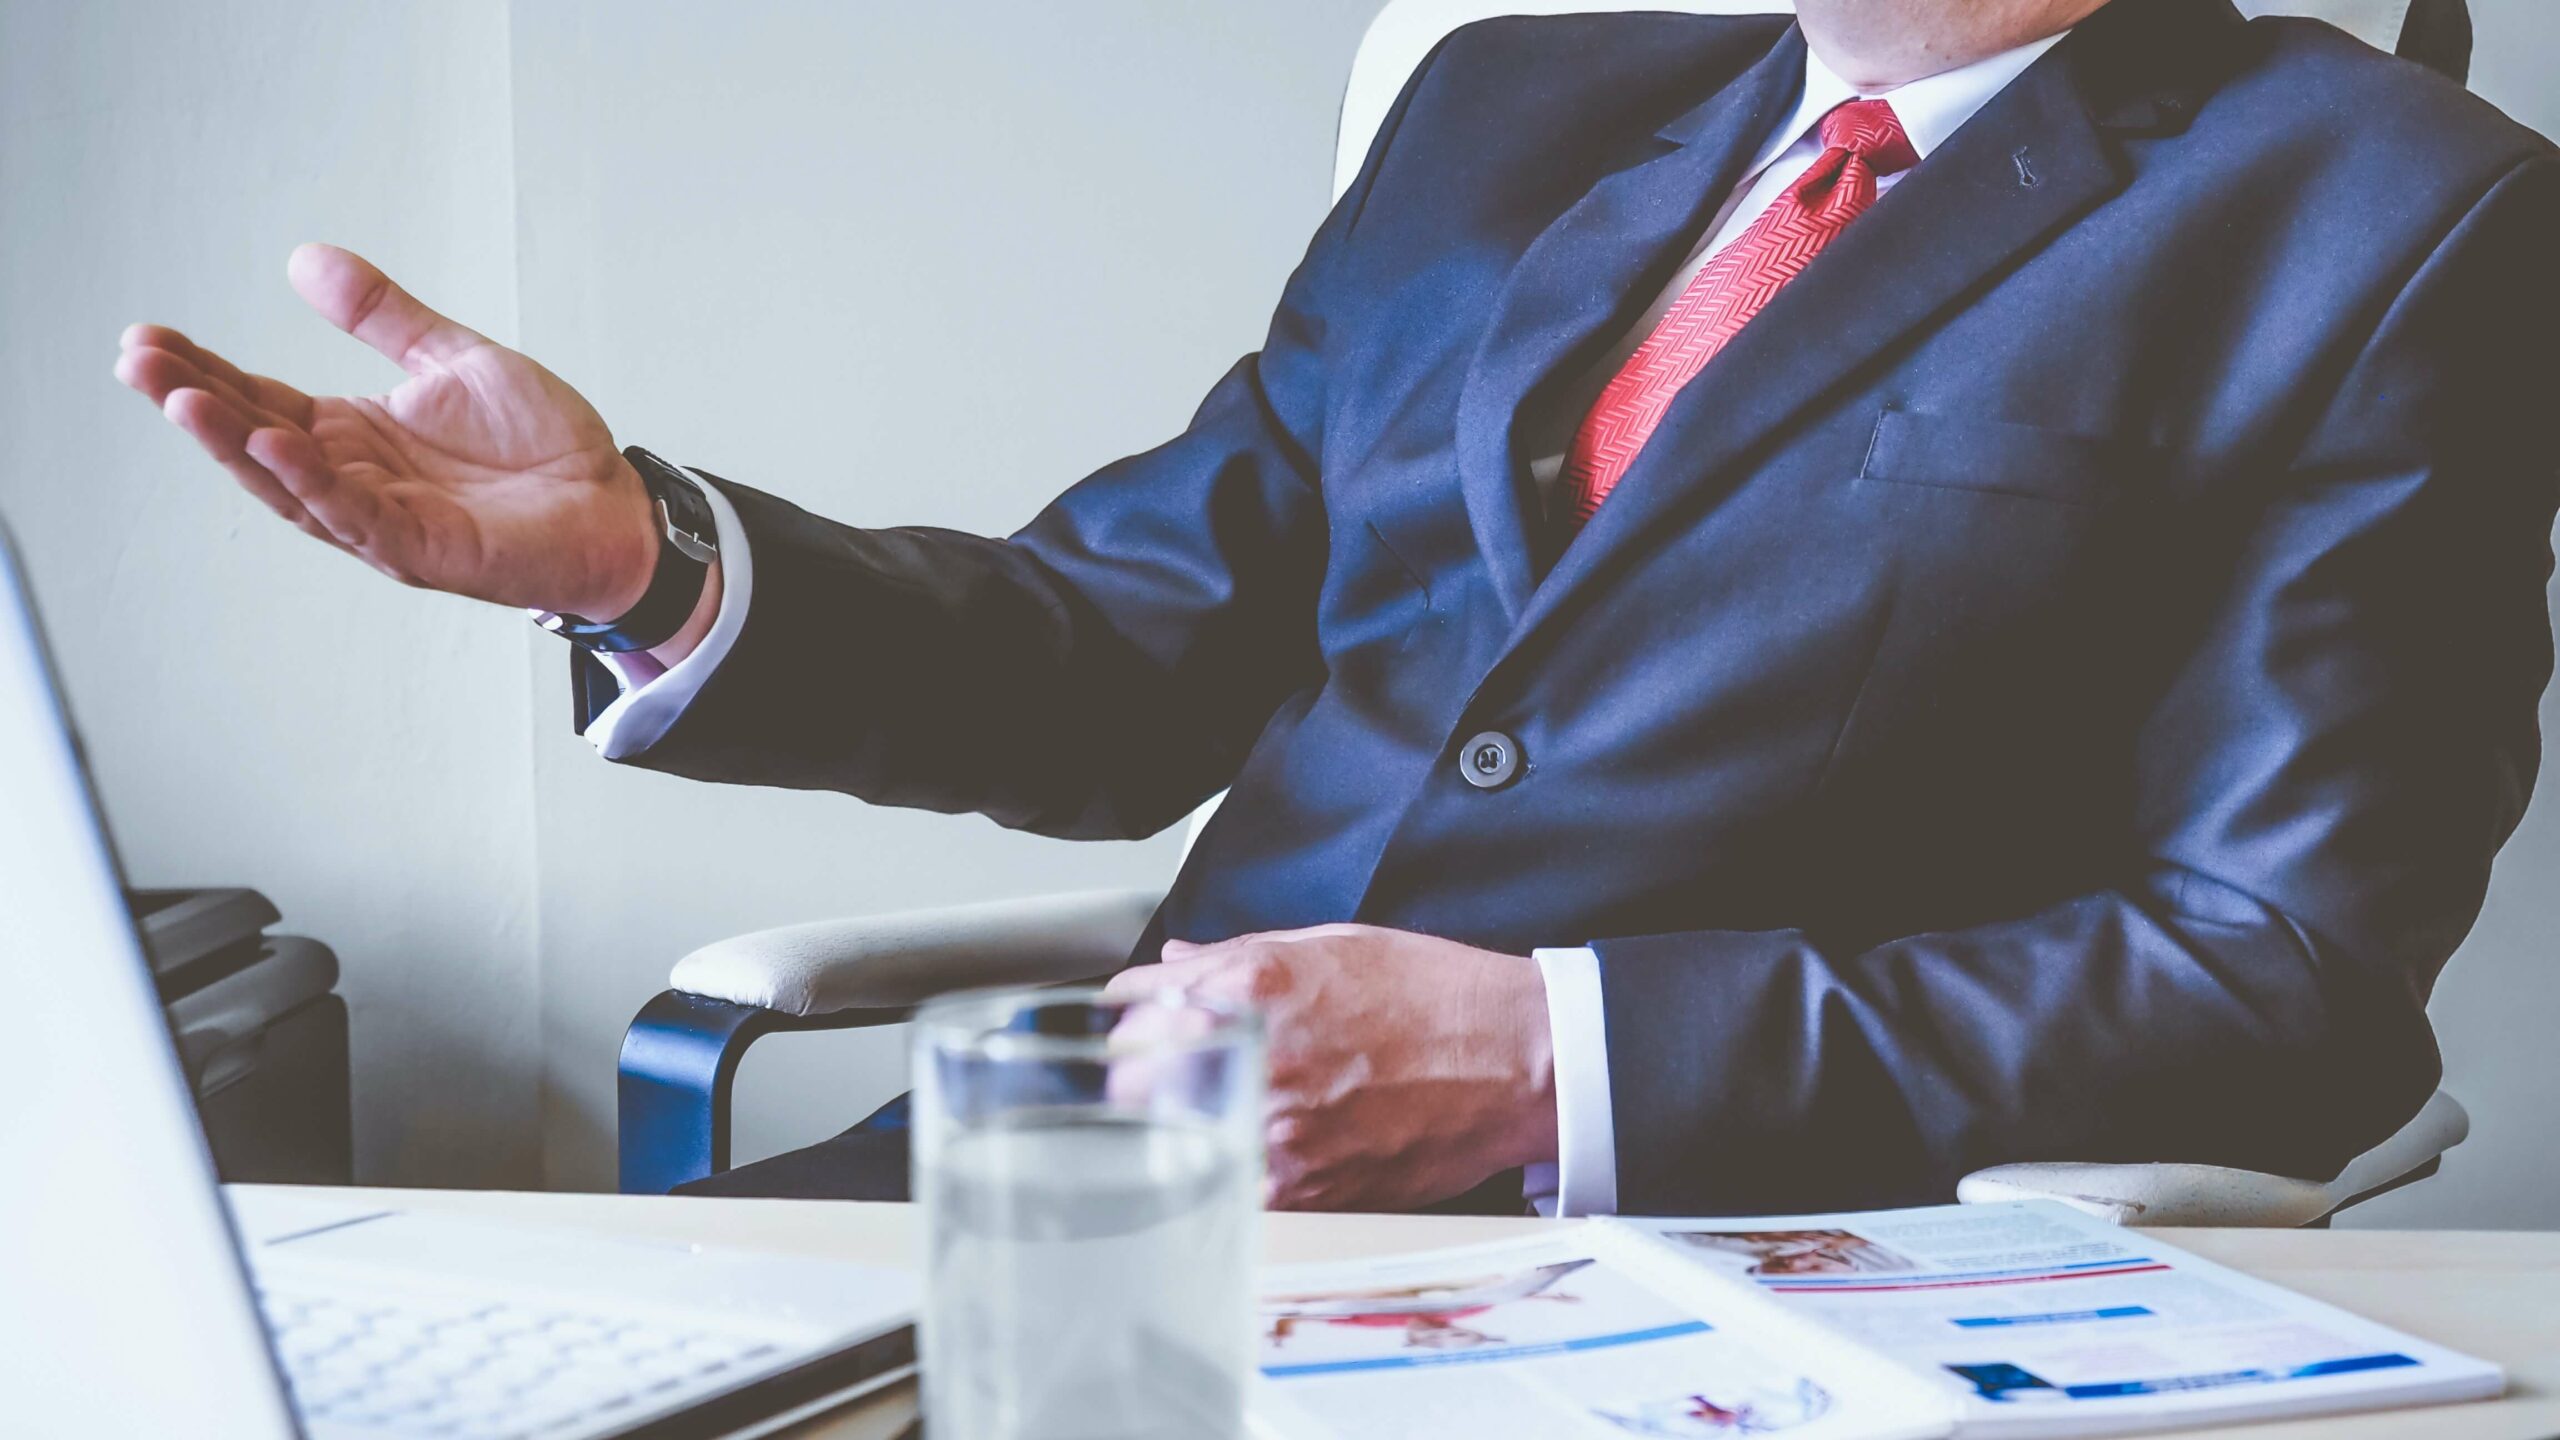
1862,141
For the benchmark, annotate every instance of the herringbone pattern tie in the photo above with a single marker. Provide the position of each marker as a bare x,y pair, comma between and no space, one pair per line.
1862,142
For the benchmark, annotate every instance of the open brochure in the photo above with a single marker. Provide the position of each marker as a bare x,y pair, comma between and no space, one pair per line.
2006,1321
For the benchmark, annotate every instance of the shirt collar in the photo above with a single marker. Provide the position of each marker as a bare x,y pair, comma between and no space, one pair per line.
1930,109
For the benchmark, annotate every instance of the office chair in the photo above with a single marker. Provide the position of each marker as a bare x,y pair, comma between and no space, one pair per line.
681,1054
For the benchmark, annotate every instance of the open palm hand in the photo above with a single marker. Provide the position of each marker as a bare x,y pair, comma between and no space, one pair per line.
482,473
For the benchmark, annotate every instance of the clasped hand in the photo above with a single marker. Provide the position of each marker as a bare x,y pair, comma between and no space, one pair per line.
1404,1069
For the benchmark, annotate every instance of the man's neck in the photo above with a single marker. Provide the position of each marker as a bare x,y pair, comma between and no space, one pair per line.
1878,45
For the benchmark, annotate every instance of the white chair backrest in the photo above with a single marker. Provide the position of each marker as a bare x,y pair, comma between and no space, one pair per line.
1406,31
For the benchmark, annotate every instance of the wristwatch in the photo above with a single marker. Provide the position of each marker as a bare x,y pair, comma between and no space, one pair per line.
690,543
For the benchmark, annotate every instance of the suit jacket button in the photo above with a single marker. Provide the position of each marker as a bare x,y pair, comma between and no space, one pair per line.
1490,760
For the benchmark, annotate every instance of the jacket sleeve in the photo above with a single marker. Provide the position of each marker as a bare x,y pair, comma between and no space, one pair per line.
1098,674
2322,786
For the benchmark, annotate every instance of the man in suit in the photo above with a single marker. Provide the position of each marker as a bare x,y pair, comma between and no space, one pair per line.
1785,613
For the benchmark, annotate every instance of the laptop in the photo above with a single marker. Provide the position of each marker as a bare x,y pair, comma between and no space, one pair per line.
136,1300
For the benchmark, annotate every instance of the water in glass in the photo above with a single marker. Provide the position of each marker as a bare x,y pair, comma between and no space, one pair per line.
1090,1278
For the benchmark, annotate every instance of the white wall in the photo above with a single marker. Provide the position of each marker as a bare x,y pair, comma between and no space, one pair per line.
261,710
901,262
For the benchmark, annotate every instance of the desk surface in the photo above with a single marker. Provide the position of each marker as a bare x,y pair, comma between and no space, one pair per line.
2488,1294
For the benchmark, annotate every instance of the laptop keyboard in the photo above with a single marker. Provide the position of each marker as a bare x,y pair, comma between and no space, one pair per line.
451,1366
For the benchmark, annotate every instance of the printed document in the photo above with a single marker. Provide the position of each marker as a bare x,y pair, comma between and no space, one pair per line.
2004,1321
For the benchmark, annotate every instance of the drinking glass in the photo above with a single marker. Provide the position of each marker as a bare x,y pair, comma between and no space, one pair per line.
1091,1177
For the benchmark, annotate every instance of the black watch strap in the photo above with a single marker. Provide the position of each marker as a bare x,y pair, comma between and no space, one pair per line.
687,544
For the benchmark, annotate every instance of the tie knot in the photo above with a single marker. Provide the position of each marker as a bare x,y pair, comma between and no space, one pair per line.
1869,130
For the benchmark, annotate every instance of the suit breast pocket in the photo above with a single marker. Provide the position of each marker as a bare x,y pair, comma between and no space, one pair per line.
1994,457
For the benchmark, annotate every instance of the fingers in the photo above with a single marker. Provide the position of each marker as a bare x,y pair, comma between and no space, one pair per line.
1154,1053
284,469
354,296
256,429
224,432
1141,982
158,374
1192,950
159,350
352,512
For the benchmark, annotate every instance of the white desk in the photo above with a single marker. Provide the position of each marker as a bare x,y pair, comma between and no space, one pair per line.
2488,1294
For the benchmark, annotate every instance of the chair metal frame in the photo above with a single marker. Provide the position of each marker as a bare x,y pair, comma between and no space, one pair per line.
679,1071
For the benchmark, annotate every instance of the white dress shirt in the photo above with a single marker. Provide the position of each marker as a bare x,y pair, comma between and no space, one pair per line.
1584,1179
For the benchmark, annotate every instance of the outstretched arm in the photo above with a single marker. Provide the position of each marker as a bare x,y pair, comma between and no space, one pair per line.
1097,674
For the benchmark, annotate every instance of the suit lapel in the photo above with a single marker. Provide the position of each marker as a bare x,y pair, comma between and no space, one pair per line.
1586,278
2028,164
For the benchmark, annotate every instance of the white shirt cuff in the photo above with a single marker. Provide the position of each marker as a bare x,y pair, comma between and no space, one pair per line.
1585,1179
652,699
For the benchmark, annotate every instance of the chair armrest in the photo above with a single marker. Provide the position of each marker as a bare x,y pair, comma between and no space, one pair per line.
2213,1195
2155,1194
898,962
680,1057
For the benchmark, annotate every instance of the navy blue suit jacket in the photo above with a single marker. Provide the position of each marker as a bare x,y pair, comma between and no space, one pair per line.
2052,689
